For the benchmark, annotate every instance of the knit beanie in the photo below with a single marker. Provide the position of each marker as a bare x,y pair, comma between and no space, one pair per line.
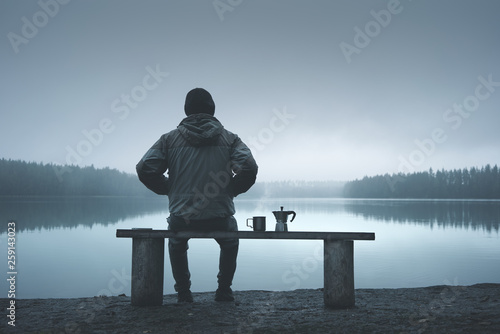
198,101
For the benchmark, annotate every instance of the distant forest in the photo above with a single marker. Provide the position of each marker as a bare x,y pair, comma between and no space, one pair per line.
20,178
473,183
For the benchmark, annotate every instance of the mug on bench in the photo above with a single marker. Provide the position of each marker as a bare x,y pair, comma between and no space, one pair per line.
259,223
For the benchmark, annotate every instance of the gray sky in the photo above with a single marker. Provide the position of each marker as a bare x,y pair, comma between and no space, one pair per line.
318,89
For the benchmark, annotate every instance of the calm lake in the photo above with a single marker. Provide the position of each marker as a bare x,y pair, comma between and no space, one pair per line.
68,248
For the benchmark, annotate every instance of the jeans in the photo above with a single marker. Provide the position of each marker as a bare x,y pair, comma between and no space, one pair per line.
177,249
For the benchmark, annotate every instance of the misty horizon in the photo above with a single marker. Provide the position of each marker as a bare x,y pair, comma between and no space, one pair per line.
318,90
61,170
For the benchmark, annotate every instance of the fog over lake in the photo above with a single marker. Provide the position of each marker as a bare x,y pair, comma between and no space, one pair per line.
68,248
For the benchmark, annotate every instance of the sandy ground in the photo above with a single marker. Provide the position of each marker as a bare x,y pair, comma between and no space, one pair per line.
437,309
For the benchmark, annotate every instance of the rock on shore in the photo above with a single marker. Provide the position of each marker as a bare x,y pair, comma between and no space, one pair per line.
437,309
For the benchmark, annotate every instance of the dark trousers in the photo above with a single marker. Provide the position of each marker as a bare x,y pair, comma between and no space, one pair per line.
177,249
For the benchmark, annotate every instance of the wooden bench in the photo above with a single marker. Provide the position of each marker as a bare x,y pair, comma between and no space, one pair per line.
148,249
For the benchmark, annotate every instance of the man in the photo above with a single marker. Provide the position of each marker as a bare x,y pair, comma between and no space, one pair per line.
207,167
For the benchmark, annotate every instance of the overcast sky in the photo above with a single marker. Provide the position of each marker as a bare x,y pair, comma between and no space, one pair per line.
318,89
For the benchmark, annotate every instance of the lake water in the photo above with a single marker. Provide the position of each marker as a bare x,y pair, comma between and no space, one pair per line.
68,248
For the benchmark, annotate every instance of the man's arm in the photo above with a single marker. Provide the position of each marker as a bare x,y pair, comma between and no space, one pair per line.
152,167
244,166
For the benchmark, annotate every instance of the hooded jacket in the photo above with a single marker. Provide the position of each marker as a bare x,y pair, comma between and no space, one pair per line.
207,167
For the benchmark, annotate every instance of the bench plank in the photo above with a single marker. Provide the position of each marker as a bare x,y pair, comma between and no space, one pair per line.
143,233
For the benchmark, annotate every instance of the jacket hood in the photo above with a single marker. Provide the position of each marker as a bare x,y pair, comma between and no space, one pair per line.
200,129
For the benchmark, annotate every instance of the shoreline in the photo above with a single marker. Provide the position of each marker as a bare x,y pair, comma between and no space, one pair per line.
435,309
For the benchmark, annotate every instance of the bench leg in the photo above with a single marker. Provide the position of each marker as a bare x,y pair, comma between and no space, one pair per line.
339,274
147,271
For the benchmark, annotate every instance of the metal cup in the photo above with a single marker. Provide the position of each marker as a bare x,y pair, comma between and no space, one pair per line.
259,223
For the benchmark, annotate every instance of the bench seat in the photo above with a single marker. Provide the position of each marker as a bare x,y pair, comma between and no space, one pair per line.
148,248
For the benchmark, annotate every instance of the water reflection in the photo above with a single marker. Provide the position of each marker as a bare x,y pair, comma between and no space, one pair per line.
443,213
36,214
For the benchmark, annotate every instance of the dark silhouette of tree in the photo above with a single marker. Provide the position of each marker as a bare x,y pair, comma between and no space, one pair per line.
475,183
20,178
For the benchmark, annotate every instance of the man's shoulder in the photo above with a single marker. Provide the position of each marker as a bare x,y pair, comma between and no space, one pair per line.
171,133
229,136
170,138
228,132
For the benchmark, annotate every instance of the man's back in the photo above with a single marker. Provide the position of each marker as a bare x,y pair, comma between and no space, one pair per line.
200,156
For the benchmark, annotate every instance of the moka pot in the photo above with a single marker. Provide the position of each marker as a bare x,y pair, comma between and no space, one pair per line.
281,219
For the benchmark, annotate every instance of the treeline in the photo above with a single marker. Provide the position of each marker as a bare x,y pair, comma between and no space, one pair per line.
20,178
473,183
